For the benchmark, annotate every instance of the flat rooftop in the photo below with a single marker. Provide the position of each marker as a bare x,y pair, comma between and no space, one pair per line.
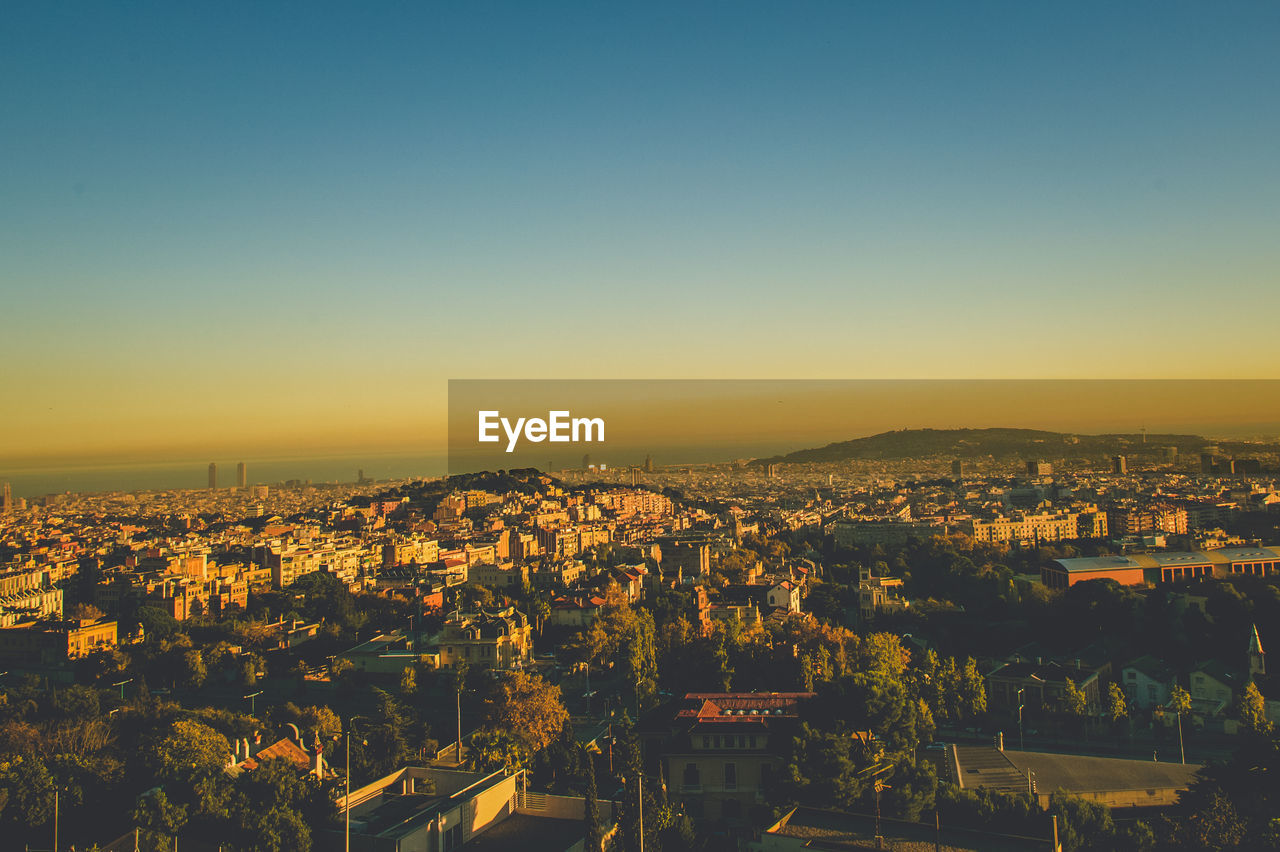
839,830
529,834
1084,774
1085,564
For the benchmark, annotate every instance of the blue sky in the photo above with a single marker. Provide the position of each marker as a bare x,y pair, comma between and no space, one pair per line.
207,209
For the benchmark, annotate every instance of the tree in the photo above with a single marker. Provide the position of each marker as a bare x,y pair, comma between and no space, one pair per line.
591,807
1180,703
27,791
1231,804
972,690
194,671
388,737
528,707
539,612
188,751
154,812
408,682
155,622
1117,707
1253,710
490,749
1074,702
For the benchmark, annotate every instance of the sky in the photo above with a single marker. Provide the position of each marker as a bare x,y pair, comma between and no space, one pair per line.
246,228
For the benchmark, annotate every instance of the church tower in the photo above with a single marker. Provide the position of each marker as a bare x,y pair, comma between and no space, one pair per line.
1257,656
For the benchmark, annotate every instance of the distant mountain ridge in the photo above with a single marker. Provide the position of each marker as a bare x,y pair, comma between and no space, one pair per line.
999,442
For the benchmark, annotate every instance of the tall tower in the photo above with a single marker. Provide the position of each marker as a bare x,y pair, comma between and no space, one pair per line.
242,475
213,475
1257,656
6,506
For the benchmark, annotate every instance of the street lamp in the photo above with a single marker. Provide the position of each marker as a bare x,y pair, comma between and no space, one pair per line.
253,703
122,684
639,804
346,800
1022,745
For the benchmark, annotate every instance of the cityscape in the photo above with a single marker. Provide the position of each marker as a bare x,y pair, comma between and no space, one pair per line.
653,427
966,639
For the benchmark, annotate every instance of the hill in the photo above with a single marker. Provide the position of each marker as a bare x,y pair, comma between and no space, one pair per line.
999,443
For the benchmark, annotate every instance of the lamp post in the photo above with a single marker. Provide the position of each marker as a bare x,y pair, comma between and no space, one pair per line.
122,684
639,805
1022,745
1181,748
346,799
253,703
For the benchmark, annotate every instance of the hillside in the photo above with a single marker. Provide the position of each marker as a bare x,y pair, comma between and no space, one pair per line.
1000,443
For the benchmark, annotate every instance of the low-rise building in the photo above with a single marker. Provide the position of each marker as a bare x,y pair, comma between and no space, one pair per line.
500,640
52,643
719,750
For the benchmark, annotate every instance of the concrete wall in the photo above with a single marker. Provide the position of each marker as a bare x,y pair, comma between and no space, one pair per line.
563,807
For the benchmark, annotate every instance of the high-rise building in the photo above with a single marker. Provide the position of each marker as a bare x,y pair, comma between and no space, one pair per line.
586,461
1119,464
213,475
648,464
6,506
1039,468
957,470
242,476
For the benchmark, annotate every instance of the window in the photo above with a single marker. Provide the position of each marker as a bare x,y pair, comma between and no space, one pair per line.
731,776
706,742
692,777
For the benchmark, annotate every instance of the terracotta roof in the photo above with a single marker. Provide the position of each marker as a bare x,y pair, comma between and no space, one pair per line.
283,748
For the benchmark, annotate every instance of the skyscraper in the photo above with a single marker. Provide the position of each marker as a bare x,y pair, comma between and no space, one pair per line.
213,475
7,505
242,475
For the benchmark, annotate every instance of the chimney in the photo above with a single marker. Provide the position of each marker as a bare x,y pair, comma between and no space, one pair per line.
317,761
1000,741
